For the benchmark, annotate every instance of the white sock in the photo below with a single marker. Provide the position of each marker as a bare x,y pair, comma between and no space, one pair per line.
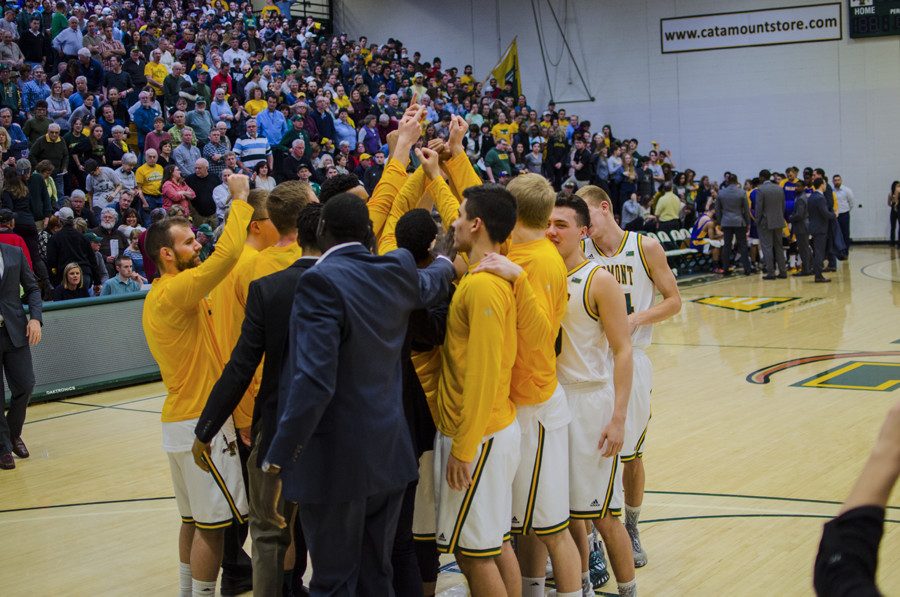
586,576
201,588
632,513
184,580
628,589
533,587
570,594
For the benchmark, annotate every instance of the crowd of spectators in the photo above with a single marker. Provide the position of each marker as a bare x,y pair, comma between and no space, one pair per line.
117,111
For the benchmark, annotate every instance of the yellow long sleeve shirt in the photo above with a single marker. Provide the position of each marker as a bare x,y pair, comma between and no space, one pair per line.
178,323
388,187
268,261
225,307
541,298
476,363
461,173
407,199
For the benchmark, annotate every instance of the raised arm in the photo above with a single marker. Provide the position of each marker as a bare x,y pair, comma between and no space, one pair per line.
190,286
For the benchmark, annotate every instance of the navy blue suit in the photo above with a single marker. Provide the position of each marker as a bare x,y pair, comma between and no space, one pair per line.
342,439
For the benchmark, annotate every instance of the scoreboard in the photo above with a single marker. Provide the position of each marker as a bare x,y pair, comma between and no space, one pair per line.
874,18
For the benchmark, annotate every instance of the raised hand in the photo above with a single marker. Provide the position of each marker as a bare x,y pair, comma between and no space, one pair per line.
430,162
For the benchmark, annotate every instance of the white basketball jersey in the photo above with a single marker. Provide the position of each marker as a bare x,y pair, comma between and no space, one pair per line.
584,355
629,267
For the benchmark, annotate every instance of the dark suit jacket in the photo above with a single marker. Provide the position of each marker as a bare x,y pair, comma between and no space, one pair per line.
769,206
264,332
341,432
15,273
800,215
732,208
819,215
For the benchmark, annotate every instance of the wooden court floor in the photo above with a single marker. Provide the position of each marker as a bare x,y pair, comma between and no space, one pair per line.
767,398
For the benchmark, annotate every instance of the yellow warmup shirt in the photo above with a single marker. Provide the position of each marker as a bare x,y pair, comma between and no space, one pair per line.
268,261
541,309
157,71
178,323
149,179
476,363
407,199
428,369
226,310
388,187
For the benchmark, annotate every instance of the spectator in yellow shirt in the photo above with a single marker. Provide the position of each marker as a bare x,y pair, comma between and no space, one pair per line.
668,209
503,129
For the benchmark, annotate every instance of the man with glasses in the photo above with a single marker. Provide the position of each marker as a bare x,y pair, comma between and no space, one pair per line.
149,180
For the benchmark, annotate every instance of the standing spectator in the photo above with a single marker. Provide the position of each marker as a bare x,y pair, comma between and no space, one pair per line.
733,215
214,152
52,148
69,41
186,154
770,223
368,136
893,202
845,199
10,94
145,116
25,194
820,218
203,182
17,335
253,149
271,122
668,210
175,190
323,119
135,66
149,179
156,73
8,237
72,285
58,108
200,120
90,69
581,163
134,252
497,160
35,90
70,246
126,280
36,126
10,53
112,241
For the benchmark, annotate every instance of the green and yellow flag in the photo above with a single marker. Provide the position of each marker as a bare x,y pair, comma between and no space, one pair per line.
507,70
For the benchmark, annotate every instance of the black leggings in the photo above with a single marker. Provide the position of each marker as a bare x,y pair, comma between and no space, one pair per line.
895,223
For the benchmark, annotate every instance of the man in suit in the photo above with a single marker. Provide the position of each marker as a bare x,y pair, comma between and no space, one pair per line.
820,218
17,335
733,215
264,332
342,446
769,223
800,229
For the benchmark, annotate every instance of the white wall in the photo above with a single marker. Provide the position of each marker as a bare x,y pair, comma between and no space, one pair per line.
828,104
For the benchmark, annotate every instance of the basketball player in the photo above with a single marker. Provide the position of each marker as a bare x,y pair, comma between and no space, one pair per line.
639,265
598,407
179,328
477,449
540,489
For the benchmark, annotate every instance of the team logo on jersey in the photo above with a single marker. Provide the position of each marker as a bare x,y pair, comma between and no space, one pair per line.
747,304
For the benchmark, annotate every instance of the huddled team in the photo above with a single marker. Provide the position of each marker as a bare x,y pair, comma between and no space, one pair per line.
539,390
